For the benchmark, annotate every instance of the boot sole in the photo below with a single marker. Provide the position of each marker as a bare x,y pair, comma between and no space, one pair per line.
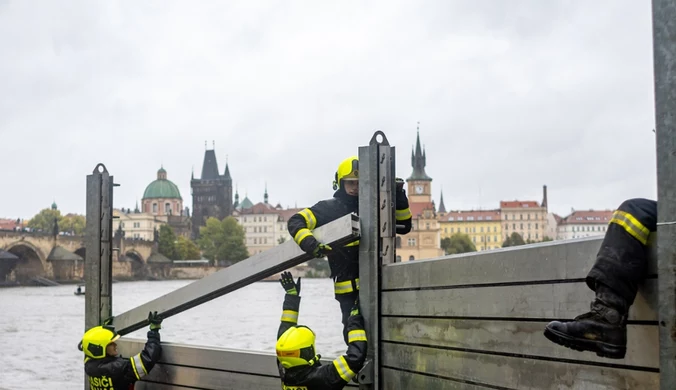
602,349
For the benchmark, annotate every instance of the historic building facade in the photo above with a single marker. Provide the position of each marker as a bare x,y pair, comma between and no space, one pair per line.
264,224
483,227
424,240
584,223
211,193
528,218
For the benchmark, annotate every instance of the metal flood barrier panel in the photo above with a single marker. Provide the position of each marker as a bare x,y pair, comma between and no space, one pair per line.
476,321
197,367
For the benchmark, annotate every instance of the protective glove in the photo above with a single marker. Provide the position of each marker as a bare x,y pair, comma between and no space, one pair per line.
321,250
355,308
155,320
290,287
108,321
399,183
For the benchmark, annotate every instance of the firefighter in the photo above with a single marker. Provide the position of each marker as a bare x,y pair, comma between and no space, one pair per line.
297,361
620,266
106,369
344,262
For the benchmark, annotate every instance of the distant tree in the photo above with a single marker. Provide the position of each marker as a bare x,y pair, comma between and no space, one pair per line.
514,239
44,220
547,238
187,249
73,223
457,243
223,240
281,240
167,242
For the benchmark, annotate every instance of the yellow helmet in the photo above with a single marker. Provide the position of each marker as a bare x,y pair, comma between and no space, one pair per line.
296,347
348,169
96,339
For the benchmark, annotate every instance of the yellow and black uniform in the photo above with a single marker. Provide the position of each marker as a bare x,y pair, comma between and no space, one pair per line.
114,372
620,266
344,261
623,256
299,366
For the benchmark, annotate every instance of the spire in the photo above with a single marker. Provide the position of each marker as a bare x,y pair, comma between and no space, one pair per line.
236,204
54,207
442,207
136,210
226,174
210,166
265,195
418,151
192,175
419,160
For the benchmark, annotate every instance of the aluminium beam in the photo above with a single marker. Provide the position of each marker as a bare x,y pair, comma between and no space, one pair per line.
664,60
339,232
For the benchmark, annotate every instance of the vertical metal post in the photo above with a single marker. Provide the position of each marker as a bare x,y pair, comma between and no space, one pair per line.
98,245
386,185
376,244
664,53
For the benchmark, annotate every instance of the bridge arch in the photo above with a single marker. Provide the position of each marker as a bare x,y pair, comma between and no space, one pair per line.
137,263
82,252
30,262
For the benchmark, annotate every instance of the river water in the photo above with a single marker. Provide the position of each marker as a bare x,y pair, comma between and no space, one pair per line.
40,327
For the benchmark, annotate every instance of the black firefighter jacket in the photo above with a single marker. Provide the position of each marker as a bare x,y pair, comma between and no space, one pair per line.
344,262
117,373
333,376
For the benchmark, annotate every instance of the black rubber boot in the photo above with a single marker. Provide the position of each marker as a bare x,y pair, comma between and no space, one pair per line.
602,330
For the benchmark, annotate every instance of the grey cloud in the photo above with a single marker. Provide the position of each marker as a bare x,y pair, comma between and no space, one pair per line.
510,95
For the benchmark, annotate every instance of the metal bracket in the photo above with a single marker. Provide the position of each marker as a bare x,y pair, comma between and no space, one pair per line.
365,376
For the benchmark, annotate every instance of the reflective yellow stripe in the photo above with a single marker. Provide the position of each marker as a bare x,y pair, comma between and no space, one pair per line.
343,369
301,235
356,335
310,219
402,215
136,362
345,286
631,225
355,243
290,316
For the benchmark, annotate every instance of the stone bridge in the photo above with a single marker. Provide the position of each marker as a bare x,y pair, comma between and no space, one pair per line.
61,258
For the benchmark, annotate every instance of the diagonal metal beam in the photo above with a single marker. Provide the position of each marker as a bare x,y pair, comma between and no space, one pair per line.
253,269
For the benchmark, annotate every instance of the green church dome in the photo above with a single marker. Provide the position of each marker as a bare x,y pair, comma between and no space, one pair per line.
246,204
162,188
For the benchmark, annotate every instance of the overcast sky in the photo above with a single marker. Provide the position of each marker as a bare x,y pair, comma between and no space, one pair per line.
510,95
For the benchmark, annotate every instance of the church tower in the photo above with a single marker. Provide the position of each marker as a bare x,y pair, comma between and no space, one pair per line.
211,193
419,184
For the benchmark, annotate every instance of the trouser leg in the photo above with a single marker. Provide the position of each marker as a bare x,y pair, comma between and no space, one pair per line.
619,268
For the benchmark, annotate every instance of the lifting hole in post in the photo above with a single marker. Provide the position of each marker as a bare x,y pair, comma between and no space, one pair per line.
100,168
379,139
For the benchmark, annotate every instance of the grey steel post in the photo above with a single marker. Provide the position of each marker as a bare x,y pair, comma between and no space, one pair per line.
376,245
386,200
664,53
98,245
